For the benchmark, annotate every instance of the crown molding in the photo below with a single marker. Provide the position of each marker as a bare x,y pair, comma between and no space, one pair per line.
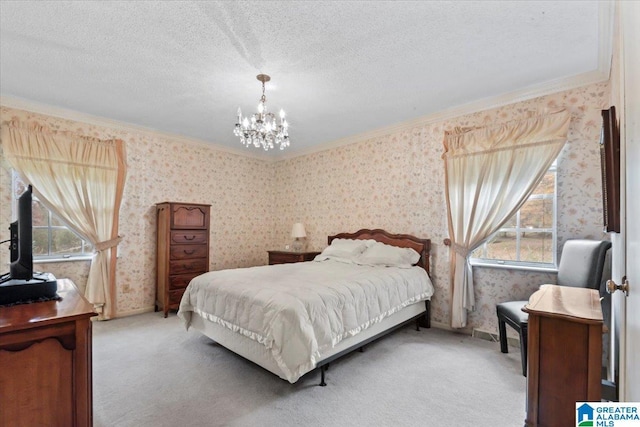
606,32
548,88
66,114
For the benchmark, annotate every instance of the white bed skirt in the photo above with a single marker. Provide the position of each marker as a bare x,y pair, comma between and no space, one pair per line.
262,356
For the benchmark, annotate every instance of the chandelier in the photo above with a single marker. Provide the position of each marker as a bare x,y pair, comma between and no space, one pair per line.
262,129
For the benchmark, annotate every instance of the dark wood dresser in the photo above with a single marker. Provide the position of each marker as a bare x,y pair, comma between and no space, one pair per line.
182,250
45,362
285,257
564,353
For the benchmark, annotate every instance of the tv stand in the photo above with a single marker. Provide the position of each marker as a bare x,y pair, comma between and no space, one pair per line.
42,285
43,277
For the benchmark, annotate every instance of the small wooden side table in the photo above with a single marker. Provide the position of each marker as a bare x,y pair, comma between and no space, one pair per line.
564,352
285,257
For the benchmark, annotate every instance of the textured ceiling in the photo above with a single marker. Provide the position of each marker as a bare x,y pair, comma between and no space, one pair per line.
338,68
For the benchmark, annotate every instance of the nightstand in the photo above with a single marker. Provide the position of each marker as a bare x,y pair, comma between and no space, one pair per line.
284,257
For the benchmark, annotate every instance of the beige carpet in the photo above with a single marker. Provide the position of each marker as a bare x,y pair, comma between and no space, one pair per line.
149,371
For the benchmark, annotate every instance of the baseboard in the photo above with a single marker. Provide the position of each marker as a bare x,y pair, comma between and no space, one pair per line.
489,336
477,333
134,312
484,335
444,326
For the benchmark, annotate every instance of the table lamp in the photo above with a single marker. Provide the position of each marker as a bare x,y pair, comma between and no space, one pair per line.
298,235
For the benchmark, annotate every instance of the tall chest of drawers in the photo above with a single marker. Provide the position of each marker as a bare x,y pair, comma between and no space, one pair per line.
182,250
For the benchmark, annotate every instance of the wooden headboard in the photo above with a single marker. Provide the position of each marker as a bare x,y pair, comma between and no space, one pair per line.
422,246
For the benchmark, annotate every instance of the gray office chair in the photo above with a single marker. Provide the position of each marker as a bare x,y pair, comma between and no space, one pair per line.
581,265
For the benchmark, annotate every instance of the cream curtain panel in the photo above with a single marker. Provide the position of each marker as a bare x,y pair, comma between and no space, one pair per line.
489,174
81,180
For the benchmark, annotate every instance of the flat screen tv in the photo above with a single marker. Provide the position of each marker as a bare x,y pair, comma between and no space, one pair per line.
21,266
21,284
610,168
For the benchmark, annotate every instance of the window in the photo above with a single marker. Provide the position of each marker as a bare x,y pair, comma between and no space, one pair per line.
52,240
529,237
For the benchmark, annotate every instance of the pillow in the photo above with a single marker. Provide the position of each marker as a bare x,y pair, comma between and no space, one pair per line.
344,250
380,254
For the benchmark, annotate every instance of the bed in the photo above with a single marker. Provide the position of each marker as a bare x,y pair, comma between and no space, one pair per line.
293,318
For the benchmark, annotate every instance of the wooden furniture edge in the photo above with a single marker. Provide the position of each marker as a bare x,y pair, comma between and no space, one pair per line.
182,203
541,296
67,321
280,251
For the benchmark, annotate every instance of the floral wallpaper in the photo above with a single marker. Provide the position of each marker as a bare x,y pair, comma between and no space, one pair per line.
394,182
162,169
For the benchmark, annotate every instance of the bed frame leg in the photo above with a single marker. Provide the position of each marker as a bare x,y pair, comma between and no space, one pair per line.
322,369
425,320
428,313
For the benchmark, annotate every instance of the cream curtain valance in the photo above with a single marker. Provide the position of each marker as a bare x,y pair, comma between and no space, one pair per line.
534,130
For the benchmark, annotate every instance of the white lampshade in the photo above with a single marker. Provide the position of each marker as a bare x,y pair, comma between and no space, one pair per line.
298,230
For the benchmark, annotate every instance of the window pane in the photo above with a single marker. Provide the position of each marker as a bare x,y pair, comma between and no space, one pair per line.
39,214
478,253
55,222
64,241
502,246
533,229
512,222
537,213
547,185
18,186
536,247
40,241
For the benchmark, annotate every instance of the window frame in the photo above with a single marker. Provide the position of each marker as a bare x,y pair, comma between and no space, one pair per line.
518,229
87,248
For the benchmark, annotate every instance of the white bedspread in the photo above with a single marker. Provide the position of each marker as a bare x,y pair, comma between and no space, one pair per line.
298,310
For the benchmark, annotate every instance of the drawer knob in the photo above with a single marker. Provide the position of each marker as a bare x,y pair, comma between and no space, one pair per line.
189,238
191,252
